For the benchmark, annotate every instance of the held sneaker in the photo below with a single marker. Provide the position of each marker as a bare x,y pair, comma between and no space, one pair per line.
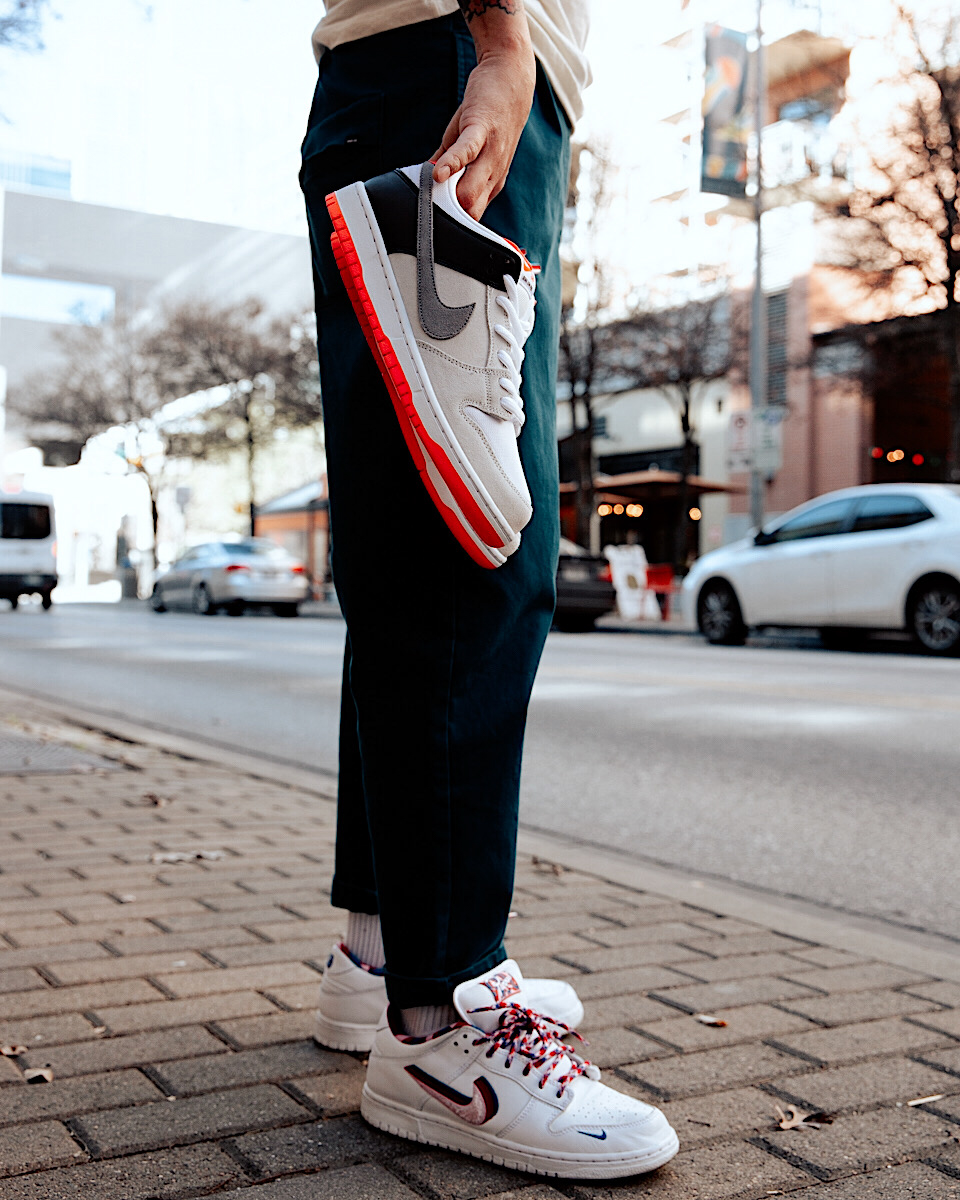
353,997
500,1085
452,365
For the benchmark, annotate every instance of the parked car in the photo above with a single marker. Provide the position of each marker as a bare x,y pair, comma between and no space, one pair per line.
584,588
28,547
232,575
881,556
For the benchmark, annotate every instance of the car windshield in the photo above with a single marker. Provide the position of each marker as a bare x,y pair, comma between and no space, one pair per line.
255,548
25,522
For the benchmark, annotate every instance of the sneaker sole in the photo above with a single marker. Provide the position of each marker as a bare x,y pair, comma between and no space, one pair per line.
436,1131
365,268
439,493
340,1035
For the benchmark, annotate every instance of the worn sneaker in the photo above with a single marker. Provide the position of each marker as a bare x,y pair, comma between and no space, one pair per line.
353,998
452,369
500,1085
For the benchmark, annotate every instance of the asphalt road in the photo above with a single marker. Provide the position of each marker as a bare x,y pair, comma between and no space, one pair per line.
825,775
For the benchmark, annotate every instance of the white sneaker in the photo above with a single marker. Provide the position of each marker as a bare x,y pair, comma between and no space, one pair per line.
452,364
352,1000
501,1086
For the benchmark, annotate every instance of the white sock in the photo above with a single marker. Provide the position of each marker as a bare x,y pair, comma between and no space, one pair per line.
421,1022
364,940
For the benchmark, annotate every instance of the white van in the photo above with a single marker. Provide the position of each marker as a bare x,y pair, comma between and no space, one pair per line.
28,547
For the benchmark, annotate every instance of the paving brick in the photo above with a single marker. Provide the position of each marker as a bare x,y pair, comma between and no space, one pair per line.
298,996
849,1043
269,1030
626,982
51,954
314,950
212,1072
31,1147
857,1006
946,1060
613,1047
745,943
827,956
705,1118
705,1173
34,919
134,1050
887,1081
163,943
334,1143
17,1005
332,1095
9,1072
745,1024
20,979
861,1143
453,1176
365,1182
98,969
912,1181
722,926
622,1010
731,993
165,1175
212,920
947,1159
947,1021
618,957
67,1097
711,1070
92,933
236,979
943,991
295,930
857,979
165,1013
179,1122
47,1031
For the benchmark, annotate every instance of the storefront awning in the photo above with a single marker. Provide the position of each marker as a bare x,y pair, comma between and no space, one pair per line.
648,485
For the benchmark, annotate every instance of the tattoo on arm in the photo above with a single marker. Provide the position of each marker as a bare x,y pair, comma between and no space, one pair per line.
477,8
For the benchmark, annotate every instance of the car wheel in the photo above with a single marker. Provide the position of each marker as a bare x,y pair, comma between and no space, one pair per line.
202,603
933,614
14,602
156,599
46,601
718,615
287,610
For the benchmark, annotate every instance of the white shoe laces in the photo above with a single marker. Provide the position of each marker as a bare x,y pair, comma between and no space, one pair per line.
518,304
525,1033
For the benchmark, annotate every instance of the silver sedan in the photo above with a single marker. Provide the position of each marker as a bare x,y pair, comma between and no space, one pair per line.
232,575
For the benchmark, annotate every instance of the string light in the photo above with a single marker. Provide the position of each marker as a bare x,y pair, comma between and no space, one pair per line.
634,510
695,514
604,510
895,456
618,510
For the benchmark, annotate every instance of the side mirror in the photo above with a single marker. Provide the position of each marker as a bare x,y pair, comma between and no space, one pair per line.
762,539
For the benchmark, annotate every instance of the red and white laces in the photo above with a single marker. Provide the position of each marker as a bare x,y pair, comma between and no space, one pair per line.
521,1032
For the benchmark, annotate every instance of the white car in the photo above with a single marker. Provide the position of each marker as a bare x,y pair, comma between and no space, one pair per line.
28,547
881,556
232,575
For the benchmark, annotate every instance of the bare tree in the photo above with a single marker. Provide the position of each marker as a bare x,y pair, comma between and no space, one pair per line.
901,227
676,350
585,303
266,368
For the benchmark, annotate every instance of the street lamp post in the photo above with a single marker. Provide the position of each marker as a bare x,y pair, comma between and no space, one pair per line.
758,320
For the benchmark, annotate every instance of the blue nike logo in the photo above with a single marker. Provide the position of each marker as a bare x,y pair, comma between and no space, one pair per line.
601,1137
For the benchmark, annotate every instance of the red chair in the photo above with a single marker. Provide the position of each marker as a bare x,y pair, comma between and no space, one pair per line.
660,582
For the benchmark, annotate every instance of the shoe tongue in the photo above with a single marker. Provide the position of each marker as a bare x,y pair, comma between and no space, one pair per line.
499,987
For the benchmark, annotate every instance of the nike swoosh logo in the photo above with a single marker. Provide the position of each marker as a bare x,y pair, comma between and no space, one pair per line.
601,1137
475,1109
439,320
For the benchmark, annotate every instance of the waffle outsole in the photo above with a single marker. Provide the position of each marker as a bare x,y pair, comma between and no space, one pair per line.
351,272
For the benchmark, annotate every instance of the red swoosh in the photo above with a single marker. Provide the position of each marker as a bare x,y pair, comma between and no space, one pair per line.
475,1109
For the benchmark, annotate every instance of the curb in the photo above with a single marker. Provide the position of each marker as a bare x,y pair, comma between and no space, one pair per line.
868,936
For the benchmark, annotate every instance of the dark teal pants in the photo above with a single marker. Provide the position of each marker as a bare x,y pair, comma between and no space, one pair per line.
441,654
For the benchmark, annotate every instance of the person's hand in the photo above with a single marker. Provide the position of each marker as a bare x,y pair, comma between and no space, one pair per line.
484,131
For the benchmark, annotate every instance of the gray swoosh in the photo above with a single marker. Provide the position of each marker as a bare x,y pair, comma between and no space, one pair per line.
439,320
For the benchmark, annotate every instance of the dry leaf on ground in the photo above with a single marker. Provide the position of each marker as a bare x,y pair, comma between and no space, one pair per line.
38,1075
12,1051
708,1019
182,856
794,1118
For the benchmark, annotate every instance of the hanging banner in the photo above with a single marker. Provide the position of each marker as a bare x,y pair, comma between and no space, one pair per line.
726,121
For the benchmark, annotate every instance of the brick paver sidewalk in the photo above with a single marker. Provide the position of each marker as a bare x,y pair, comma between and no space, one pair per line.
172,1003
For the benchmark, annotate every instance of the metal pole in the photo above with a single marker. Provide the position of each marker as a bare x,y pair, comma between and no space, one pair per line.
758,316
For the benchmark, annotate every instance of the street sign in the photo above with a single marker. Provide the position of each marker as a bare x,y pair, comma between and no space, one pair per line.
755,440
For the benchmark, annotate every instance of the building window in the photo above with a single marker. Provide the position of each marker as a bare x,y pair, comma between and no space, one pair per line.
777,348
55,301
600,427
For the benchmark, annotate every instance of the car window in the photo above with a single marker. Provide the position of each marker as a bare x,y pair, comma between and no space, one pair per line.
820,521
257,548
25,522
889,512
